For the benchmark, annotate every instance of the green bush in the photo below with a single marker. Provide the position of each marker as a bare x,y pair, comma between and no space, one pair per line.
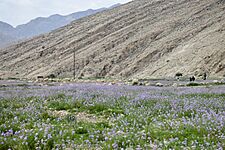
194,84
51,76
178,74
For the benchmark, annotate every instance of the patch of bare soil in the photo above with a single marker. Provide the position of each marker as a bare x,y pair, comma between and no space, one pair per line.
80,116
85,117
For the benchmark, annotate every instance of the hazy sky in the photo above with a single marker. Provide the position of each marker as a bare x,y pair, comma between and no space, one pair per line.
17,12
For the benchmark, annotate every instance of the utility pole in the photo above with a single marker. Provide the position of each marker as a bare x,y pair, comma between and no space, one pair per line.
74,65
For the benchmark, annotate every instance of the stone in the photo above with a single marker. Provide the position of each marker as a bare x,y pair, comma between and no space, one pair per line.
175,85
135,82
159,84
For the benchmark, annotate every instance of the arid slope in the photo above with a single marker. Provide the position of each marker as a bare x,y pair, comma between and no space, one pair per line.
144,38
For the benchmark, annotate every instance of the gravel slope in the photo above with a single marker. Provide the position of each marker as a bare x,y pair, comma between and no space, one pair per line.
144,38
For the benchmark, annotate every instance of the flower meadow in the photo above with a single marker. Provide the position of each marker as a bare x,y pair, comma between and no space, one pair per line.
100,116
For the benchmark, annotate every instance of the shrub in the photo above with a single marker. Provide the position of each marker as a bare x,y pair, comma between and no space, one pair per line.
194,84
51,76
40,77
13,78
81,130
178,74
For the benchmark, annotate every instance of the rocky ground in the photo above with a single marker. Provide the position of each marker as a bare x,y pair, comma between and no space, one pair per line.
141,39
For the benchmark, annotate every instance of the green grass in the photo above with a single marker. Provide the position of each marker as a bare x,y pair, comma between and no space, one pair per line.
57,103
13,78
205,84
204,95
16,113
124,122
195,84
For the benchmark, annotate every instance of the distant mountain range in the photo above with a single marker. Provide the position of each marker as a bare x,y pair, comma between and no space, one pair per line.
6,33
40,25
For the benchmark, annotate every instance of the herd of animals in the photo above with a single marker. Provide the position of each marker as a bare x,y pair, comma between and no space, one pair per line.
204,77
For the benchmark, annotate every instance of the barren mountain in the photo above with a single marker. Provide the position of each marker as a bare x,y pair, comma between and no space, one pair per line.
40,25
144,38
6,28
6,39
43,25
6,32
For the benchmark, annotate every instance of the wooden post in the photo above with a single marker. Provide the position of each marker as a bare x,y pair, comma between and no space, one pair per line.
74,65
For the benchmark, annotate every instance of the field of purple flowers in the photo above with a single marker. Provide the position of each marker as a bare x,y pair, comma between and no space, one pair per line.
98,116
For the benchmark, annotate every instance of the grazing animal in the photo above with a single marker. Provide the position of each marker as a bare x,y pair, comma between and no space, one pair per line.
40,77
204,76
192,78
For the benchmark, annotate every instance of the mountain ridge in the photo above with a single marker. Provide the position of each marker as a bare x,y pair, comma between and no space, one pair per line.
41,25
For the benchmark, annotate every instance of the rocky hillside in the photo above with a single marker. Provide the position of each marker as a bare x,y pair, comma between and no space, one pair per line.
144,38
